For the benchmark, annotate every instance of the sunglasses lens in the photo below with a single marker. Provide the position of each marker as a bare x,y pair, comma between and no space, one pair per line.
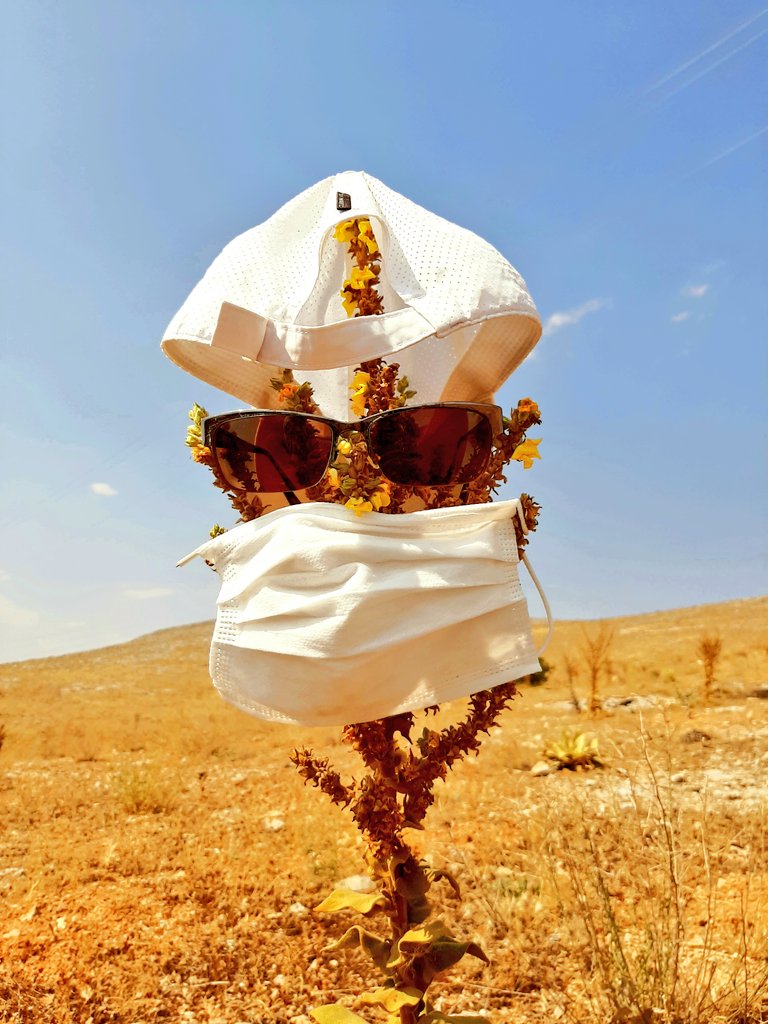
271,453
432,446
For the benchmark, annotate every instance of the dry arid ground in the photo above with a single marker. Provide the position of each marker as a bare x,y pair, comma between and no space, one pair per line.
160,859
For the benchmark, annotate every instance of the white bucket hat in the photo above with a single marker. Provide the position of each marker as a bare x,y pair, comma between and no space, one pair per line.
458,317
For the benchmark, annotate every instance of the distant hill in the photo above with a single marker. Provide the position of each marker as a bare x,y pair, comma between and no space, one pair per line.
158,685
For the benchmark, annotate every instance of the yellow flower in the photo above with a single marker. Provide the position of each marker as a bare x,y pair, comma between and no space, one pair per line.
359,278
287,392
359,387
358,505
528,405
201,454
197,414
367,235
343,446
349,302
332,477
527,451
380,498
345,231
358,403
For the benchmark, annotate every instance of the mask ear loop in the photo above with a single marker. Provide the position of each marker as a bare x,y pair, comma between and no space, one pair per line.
539,588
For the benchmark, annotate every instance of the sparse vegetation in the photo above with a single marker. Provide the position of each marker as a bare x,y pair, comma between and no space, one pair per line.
574,751
709,650
539,678
202,911
595,651
144,789
571,672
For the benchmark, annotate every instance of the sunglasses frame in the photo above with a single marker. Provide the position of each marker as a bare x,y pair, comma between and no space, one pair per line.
493,413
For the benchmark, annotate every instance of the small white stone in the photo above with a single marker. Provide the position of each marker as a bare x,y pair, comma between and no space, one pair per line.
273,824
541,768
677,777
295,908
357,883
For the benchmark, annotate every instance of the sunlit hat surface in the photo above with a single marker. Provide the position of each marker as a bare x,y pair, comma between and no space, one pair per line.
458,317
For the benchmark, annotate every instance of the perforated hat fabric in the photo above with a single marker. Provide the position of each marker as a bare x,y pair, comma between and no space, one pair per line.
458,317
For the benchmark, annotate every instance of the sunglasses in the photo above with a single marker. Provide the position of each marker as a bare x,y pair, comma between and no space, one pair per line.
426,446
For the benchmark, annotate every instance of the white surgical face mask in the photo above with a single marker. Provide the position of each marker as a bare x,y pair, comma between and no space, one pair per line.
326,618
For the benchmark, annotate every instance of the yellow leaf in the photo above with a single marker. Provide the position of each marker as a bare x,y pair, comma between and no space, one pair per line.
425,934
349,303
348,899
393,998
527,451
335,1013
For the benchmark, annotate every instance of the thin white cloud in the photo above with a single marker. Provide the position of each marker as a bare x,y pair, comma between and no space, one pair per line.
731,149
103,490
4,575
12,614
713,267
696,291
681,69
679,317
569,317
148,593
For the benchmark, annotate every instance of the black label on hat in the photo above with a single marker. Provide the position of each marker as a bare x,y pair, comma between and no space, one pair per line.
343,201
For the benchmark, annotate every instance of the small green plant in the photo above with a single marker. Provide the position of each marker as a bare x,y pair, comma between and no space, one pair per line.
574,751
539,678
142,789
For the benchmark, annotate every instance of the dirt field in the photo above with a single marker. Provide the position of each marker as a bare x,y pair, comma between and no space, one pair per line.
160,858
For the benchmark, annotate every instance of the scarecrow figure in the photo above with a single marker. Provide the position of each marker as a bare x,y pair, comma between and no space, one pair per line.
371,575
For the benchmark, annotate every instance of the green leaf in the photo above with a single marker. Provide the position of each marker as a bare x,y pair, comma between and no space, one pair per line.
435,946
348,899
446,952
376,948
335,1013
419,910
416,940
393,998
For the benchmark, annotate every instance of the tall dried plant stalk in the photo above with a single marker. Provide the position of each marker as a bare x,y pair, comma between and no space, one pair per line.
596,653
709,650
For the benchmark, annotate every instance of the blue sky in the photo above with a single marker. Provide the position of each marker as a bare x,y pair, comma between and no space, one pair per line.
615,153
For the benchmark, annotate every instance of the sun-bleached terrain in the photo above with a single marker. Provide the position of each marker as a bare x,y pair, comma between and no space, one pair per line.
160,858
